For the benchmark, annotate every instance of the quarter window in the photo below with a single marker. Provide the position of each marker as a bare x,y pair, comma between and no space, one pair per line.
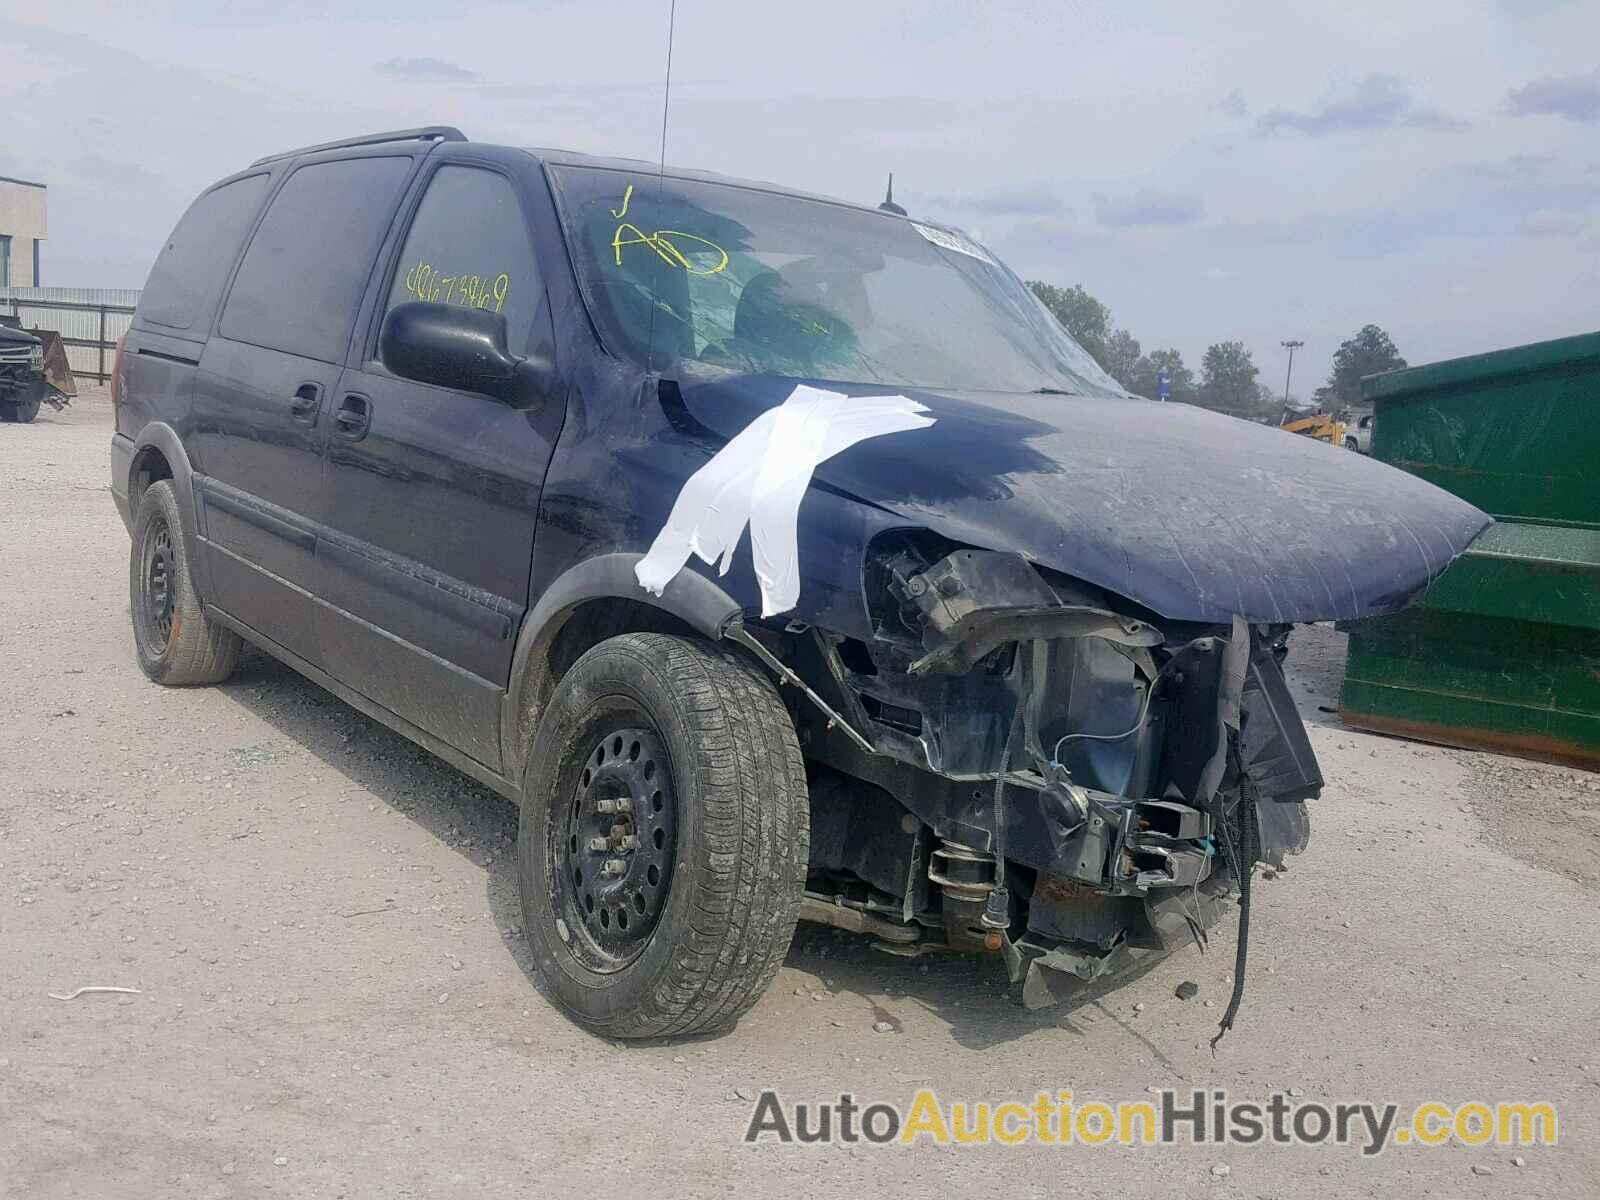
188,274
469,244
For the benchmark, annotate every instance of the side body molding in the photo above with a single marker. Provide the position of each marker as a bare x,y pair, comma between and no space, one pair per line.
689,596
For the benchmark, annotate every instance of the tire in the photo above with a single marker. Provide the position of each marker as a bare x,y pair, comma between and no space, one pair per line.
1352,444
175,642
695,924
20,411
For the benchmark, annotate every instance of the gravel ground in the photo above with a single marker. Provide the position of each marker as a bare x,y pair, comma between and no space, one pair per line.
335,999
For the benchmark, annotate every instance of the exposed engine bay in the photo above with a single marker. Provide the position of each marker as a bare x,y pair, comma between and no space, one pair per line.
1023,765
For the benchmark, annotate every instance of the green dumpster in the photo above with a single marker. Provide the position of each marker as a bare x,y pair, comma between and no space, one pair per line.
1504,651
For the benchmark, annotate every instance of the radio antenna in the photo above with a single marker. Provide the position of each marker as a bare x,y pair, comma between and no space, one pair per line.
666,95
661,178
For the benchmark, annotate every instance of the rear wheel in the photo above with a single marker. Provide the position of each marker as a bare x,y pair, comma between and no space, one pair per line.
662,848
176,643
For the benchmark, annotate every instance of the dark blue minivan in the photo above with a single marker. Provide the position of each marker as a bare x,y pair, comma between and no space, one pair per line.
472,436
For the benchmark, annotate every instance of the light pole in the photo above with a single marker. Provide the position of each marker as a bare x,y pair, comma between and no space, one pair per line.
1289,374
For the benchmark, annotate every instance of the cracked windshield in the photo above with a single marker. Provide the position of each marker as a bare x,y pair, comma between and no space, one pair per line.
759,283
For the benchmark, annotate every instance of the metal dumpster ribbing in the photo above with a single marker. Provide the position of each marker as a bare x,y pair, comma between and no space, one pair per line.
1504,651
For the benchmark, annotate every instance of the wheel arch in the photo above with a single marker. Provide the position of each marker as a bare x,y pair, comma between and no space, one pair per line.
158,453
596,599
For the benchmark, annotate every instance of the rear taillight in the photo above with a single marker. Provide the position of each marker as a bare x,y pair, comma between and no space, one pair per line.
116,382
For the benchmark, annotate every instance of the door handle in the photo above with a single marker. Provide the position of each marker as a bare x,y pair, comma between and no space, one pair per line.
307,402
354,417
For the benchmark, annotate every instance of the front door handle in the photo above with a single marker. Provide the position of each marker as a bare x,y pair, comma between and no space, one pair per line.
307,402
354,417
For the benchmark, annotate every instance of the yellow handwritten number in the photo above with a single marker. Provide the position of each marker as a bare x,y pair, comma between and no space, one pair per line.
473,291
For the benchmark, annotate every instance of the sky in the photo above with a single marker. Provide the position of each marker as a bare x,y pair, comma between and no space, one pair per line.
1258,170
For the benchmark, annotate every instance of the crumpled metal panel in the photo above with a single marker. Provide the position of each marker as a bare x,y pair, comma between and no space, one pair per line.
56,371
1195,515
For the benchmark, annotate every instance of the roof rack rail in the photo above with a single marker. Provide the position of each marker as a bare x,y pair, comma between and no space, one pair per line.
427,133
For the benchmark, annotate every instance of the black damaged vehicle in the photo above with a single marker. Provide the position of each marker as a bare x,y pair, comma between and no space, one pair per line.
22,381
471,436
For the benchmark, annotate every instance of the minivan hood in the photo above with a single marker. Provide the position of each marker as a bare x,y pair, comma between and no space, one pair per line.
1195,515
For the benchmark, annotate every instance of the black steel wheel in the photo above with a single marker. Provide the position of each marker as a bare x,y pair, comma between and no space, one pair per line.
176,642
613,859
662,848
157,593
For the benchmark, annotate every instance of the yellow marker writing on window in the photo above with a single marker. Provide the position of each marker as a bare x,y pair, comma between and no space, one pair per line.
664,243
626,196
473,291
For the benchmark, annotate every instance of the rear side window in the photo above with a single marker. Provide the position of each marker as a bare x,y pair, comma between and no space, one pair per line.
186,280
469,244
301,280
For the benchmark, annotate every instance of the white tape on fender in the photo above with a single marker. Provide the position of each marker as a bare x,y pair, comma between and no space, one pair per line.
759,479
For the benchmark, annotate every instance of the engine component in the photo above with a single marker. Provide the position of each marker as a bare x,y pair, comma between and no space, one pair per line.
967,879
842,916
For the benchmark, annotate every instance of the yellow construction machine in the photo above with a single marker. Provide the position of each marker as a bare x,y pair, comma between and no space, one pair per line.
1318,425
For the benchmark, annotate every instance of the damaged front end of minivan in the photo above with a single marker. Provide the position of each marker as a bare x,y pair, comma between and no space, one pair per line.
1045,718
1028,626
1077,787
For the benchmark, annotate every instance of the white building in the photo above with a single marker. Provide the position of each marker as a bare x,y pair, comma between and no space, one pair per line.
22,231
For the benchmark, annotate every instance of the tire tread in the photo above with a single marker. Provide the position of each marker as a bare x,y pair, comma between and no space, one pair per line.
205,651
748,878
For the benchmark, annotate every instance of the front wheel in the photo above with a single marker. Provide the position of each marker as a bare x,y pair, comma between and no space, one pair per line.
663,840
22,410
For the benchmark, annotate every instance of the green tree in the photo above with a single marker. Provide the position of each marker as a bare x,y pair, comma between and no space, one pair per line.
1080,314
1228,380
1370,351
1145,372
1271,403
1121,360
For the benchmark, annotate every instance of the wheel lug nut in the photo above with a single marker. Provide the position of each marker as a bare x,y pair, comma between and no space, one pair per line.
628,842
614,866
599,843
624,804
605,806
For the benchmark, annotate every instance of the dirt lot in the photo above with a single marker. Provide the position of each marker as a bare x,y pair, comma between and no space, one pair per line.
335,999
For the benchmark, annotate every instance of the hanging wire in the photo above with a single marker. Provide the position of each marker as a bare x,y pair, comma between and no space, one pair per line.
1144,713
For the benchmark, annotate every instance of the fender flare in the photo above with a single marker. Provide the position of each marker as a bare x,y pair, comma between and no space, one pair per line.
163,437
690,597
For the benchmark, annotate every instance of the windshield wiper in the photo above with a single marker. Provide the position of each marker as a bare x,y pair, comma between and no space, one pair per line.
1048,391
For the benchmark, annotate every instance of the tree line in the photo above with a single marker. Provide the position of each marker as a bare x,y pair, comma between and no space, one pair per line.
1228,374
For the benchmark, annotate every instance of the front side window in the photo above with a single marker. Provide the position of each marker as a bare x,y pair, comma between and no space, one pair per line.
469,245
767,283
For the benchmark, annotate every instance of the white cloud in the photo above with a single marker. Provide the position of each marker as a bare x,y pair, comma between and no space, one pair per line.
1098,143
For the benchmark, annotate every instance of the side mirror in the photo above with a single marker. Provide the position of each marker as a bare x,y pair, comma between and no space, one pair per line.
453,346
